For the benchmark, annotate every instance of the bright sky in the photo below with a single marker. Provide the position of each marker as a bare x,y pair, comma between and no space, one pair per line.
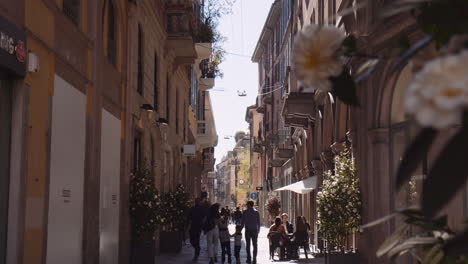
242,30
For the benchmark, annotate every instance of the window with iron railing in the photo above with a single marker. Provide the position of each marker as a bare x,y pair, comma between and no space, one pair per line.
71,8
201,128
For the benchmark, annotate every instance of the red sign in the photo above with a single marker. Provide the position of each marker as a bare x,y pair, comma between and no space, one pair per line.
20,51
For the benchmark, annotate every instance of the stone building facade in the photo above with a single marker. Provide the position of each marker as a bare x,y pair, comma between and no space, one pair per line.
318,128
92,90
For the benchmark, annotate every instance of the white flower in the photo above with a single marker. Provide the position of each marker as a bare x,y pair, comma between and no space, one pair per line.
316,56
439,92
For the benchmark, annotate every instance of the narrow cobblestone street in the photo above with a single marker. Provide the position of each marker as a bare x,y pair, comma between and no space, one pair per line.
187,253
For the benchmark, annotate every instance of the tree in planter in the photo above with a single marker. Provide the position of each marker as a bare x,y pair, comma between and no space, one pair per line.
144,204
173,208
339,202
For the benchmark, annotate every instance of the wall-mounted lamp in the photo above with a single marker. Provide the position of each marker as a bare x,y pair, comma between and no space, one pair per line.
162,121
147,107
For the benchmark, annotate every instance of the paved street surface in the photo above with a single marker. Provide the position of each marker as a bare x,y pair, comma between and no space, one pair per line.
263,256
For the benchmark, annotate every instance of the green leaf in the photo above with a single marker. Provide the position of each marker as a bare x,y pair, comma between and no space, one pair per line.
344,88
447,175
457,246
366,69
393,240
414,154
407,55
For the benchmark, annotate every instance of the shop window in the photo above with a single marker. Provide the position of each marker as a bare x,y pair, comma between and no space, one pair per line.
177,112
71,8
111,34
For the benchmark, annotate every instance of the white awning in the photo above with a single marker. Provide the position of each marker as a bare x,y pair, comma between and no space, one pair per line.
302,187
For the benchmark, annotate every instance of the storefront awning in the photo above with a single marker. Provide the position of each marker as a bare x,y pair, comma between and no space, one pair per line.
302,187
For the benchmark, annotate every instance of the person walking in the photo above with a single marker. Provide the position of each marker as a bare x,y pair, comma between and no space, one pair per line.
237,216
237,243
212,232
225,240
196,217
251,223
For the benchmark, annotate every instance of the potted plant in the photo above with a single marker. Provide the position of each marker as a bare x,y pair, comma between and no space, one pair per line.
144,204
339,206
173,215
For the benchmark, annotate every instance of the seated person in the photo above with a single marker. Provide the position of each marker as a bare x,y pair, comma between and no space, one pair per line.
301,236
278,228
288,226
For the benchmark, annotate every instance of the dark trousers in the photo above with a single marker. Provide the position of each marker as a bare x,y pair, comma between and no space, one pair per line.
251,236
195,241
237,251
226,251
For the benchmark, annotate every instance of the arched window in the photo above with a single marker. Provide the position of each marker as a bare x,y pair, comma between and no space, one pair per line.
111,34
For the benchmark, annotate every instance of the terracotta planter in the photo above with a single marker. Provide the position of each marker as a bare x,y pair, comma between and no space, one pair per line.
143,252
341,258
171,242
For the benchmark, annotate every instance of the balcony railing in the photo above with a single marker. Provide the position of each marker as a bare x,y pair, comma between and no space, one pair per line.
206,70
178,5
178,25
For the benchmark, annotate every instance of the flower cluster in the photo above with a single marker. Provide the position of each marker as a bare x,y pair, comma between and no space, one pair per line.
438,94
273,206
317,56
172,213
339,201
144,203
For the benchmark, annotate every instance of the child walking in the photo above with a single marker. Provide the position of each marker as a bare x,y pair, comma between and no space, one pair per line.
225,240
237,243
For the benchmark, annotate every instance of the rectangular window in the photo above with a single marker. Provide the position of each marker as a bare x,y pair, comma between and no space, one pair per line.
111,34
177,112
71,8
156,80
168,99
140,62
136,152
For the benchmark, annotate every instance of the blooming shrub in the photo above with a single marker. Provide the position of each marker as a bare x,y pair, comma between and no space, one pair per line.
144,203
172,213
273,206
339,202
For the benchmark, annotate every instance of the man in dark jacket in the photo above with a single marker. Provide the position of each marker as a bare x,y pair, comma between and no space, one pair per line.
251,223
197,215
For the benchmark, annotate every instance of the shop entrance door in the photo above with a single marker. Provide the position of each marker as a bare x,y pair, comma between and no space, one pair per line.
5,130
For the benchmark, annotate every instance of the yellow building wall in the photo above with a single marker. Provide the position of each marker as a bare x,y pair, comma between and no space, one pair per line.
39,21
